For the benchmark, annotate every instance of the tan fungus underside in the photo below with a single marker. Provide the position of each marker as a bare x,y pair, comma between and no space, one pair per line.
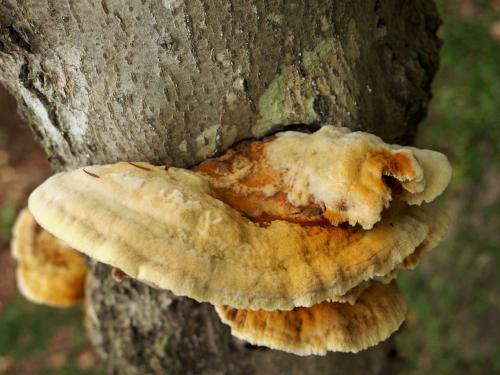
342,327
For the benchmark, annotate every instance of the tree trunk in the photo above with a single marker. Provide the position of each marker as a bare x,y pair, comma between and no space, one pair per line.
179,81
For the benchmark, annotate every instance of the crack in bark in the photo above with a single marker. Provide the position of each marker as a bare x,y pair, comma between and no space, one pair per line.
17,39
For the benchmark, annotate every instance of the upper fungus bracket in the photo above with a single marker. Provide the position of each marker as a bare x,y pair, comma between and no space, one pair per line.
170,229
338,168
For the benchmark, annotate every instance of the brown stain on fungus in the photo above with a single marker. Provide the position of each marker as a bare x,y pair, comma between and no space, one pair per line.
241,179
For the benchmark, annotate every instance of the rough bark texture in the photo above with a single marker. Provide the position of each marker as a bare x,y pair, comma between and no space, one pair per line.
174,80
181,80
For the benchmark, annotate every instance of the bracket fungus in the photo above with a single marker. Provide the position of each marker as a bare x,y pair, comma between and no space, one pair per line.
292,228
340,175
48,271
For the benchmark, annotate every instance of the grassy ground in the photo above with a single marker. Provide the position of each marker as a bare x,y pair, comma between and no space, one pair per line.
453,326
43,340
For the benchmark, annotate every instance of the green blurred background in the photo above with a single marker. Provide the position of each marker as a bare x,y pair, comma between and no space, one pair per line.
453,324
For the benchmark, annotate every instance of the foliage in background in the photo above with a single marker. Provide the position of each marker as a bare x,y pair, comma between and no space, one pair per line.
44,340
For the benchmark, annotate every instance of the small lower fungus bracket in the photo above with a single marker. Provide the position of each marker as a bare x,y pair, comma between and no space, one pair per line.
328,326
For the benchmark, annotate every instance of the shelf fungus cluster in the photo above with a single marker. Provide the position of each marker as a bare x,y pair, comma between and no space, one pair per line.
296,238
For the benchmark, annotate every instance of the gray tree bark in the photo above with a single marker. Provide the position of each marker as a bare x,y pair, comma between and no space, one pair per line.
179,81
